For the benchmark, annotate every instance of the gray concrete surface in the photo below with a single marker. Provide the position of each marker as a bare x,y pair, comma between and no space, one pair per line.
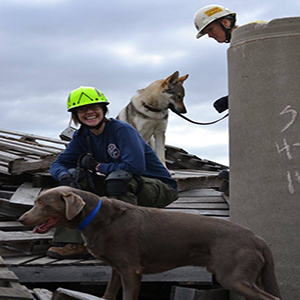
264,91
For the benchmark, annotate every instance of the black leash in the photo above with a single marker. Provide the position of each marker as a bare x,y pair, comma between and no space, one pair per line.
199,123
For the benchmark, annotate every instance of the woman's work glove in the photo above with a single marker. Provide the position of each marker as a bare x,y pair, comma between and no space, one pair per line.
68,180
88,162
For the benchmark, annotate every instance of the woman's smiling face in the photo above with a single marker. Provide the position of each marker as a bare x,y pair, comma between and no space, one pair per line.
90,115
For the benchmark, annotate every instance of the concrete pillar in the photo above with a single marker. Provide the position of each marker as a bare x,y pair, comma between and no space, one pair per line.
264,101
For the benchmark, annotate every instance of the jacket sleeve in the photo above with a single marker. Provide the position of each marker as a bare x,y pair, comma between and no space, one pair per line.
69,157
132,151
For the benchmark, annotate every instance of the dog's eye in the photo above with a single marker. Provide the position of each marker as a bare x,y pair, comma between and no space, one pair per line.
39,202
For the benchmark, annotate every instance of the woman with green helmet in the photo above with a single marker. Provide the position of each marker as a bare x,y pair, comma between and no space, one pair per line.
108,157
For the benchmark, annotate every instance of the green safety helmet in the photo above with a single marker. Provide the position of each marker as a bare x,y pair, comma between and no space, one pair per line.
84,96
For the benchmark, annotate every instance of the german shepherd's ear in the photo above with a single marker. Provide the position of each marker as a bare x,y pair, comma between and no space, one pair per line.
171,80
74,205
183,78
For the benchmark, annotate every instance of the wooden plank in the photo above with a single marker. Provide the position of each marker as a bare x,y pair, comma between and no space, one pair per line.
12,210
5,274
42,294
4,218
4,170
10,287
211,213
183,274
26,248
7,183
34,137
6,194
92,261
33,147
192,172
20,260
51,274
179,293
25,194
60,293
67,262
24,236
7,157
222,218
226,198
12,225
24,148
203,175
20,166
200,193
9,252
15,291
200,200
43,179
2,262
41,261
101,274
198,205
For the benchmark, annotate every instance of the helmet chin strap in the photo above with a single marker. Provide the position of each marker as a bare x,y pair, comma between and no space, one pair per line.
93,127
228,30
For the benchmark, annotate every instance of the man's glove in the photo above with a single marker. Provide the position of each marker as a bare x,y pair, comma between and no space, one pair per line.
88,162
68,180
221,104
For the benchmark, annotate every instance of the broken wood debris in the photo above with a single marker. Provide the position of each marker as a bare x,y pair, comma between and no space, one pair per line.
27,153
177,158
64,294
10,288
31,153
24,164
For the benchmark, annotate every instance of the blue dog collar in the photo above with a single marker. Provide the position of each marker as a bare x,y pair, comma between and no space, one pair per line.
88,219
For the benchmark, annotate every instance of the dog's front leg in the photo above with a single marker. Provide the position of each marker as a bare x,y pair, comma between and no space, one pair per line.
113,286
160,146
131,282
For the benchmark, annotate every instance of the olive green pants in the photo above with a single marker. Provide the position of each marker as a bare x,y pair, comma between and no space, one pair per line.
155,193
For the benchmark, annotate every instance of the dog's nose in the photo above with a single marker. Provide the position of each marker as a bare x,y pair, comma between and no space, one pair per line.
182,110
22,219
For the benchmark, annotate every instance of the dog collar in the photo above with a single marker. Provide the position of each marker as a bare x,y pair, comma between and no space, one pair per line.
88,219
153,109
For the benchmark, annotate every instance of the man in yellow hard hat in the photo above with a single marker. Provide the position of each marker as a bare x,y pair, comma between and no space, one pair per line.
216,21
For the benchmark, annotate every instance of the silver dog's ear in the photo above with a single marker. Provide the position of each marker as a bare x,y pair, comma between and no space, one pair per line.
183,78
74,205
171,80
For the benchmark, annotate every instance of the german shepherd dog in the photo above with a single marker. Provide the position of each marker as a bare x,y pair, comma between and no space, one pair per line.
148,110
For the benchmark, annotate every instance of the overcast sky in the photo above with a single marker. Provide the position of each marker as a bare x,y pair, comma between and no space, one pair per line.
50,47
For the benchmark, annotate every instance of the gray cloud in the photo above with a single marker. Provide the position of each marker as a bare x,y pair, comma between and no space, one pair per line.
50,47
